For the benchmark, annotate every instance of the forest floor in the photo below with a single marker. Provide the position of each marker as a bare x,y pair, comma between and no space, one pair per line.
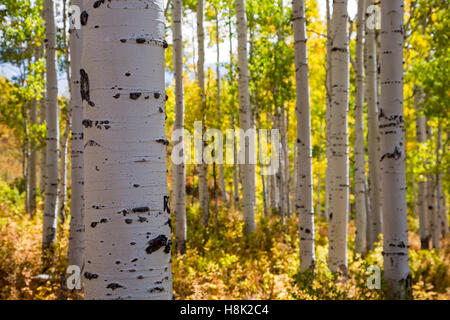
223,265
218,264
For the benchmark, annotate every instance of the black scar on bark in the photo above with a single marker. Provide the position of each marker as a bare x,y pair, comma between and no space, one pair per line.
113,286
98,3
165,44
141,209
166,204
163,141
142,219
392,155
156,289
157,95
84,18
169,223
140,40
156,244
90,276
94,224
161,110
87,123
116,96
135,95
84,87
167,97
128,221
123,40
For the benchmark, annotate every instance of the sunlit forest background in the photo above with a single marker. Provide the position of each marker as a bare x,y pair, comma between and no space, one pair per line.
219,262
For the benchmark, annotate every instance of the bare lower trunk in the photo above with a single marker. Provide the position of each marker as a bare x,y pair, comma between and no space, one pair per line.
305,209
421,137
328,112
127,220
392,160
32,166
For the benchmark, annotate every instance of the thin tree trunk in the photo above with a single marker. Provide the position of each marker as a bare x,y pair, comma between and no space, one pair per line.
179,170
127,221
442,206
360,165
235,168
304,156
338,140
223,189
32,166
75,254
421,137
202,168
328,112
248,169
51,190
374,214
392,160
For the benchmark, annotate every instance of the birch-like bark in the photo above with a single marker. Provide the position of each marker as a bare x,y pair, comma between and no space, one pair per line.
360,165
51,190
442,206
421,137
223,189
373,137
392,160
127,215
179,170
75,254
235,168
305,207
32,166
338,140
202,168
43,152
328,111
245,121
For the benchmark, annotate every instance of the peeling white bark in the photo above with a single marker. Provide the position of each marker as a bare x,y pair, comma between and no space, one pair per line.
127,215
52,149
245,121
338,140
392,160
304,202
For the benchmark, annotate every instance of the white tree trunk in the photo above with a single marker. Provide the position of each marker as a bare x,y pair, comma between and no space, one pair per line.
304,154
442,206
245,121
223,188
360,165
202,168
33,161
235,168
127,215
179,170
51,190
392,160
373,138
338,140
328,112
75,254
421,137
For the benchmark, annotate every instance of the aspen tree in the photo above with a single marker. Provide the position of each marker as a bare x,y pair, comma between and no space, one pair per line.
360,166
245,122
52,148
179,170
76,232
338,141
202,167
392,160
304,201
373,137
127,214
